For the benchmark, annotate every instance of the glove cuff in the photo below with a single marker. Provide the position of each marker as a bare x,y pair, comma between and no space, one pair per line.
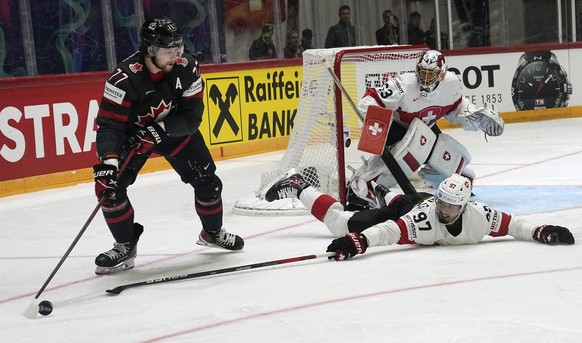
112,162
359,241
542,236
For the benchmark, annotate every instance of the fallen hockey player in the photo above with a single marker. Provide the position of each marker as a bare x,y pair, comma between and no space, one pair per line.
447,218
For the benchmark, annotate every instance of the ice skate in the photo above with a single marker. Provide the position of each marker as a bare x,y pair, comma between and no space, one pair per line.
121,257
220,239
288,186
380,191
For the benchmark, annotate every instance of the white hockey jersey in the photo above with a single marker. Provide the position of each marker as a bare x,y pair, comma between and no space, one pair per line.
402,95
421,226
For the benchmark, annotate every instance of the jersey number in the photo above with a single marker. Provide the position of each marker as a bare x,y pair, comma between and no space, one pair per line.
386,92
421,217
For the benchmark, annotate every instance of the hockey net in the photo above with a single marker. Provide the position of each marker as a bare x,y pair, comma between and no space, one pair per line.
326,130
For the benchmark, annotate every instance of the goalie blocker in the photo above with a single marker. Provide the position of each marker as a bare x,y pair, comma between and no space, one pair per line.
441,156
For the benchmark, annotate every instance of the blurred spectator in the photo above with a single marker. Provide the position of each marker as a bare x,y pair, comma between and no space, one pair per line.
343,33
388,34
415,34
431,38
293,48
263,47
307,39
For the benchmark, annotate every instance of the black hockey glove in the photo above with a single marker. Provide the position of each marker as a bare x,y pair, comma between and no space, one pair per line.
147,137
551,234
105,176
348,246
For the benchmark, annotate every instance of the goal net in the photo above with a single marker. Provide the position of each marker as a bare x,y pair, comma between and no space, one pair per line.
326,129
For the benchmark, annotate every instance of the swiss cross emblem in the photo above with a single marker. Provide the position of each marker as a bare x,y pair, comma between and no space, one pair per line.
182,61
376,129
447,156
135,67
422,140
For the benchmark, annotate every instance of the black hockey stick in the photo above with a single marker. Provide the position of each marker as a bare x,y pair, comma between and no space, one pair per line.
387,156
32,309
121,288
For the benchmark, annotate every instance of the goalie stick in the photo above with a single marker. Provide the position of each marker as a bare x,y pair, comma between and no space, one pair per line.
166,279
32,309
386,156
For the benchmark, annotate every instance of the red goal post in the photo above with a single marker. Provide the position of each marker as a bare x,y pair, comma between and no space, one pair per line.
326,130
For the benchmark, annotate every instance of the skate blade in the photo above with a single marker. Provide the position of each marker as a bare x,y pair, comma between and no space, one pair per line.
212,245
208,244
127,264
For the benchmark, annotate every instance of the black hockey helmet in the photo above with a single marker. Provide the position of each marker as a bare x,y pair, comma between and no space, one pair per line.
161,32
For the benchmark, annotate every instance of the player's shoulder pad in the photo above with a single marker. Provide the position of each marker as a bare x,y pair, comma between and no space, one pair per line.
452,83
452,77
132,65
187,65
400,83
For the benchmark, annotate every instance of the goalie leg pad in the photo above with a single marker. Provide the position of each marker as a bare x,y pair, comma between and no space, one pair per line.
410,153
414,149
448,157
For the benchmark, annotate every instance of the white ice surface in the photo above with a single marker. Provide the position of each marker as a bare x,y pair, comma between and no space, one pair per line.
497,291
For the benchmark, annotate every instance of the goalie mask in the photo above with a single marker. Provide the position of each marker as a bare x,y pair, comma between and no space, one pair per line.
430,69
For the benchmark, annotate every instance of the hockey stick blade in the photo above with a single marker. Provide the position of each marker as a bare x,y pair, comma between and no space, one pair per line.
121,288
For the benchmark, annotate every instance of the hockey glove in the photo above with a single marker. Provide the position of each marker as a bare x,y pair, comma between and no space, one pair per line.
348,246
147,137
551,234
487,119
105,176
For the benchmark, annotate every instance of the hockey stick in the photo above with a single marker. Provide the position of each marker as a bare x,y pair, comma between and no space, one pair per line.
386,156
32,309
121,288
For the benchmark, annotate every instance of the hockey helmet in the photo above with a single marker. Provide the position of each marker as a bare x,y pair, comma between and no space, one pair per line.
430,69
454,190
161,32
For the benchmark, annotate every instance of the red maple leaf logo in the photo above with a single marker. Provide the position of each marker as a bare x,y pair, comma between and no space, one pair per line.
135,67
182,61
155,112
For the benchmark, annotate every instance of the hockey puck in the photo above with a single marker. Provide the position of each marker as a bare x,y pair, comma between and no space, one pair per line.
45,307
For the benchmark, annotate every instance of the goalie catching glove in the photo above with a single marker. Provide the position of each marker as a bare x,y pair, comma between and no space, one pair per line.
348,246
147,137
551,234
487,119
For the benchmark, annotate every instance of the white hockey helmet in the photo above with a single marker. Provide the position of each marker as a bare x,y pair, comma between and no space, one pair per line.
454,190
430,69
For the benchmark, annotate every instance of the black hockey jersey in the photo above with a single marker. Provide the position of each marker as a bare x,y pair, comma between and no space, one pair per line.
132,99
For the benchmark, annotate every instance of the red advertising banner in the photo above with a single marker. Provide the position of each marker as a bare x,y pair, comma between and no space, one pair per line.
47,124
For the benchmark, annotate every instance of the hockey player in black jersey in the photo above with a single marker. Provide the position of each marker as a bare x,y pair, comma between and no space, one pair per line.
153,103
